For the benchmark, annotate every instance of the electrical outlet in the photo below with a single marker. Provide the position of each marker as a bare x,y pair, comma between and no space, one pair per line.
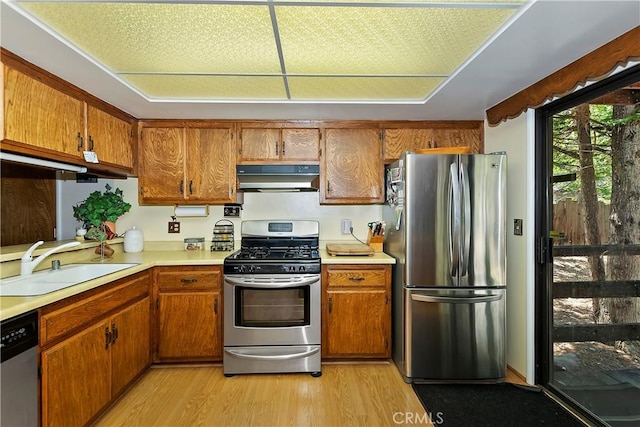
345,226
232,211
174,227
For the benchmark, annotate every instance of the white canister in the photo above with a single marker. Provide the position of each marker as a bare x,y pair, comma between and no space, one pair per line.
133,240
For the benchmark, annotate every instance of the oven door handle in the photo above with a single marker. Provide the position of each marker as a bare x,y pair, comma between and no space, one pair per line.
276,357
287,283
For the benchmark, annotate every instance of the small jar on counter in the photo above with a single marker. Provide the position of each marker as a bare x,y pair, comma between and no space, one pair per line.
194,244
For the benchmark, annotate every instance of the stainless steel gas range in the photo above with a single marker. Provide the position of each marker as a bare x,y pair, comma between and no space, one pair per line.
272,299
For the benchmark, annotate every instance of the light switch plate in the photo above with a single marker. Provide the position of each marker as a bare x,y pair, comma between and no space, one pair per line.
345,226
517,227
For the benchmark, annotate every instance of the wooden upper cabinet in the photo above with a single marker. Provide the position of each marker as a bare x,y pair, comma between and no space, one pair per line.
399,140
300,144
211,171
459,138
47,117
412,136
259,144
161,170
352,169
41,116
187,164
268,142
109,137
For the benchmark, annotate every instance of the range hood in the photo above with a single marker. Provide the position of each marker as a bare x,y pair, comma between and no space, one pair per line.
278,178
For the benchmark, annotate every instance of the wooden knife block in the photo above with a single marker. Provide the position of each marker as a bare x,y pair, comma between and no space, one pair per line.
375,242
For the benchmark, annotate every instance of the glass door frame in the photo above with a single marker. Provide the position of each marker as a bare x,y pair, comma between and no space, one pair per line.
543,225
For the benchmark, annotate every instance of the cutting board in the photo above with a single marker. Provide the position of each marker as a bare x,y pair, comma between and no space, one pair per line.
347,249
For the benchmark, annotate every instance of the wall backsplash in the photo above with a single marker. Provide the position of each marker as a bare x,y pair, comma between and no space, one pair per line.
152,220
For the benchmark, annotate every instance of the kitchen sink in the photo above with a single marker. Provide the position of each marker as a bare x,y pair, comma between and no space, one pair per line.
43,282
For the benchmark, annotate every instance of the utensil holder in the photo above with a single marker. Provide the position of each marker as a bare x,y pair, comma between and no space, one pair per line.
375,241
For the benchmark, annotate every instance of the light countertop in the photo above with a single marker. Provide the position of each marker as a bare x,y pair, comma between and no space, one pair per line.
13,306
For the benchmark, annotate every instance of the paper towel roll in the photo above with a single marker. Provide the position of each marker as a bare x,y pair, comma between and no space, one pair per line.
182,211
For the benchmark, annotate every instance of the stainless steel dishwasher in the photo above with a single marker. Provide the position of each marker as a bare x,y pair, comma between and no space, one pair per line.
19,371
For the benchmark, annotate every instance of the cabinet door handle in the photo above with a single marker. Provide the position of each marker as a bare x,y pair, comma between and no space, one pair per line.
215,306
107,336
187,281
276,148
283,148
80,142
356,279
330,304
328,186
91,143
181,186
190,186
115,333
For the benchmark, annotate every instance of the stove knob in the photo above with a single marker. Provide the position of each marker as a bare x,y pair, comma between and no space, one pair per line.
240,269
301,268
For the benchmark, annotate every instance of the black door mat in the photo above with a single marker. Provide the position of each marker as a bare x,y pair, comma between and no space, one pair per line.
467,405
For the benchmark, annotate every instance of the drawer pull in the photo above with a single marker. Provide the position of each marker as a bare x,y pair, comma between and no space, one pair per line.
107,336
215,306
356,279
187,281
330,304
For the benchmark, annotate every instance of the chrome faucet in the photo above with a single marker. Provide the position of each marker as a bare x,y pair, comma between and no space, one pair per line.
28,263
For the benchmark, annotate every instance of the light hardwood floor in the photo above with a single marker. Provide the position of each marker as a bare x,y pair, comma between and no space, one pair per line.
368,394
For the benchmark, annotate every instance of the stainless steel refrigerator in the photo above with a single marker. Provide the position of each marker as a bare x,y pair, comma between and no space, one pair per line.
446,228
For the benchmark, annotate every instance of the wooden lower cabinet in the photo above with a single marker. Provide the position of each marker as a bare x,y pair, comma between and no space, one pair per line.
76,378
356,311
91,352
189,314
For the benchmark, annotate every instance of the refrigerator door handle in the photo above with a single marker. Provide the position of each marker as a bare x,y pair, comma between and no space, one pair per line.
466,227
453,223
455,300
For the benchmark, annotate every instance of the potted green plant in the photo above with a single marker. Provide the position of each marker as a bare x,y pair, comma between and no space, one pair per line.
100,207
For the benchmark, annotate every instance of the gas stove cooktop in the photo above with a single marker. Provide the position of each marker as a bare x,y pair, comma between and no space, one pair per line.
276,247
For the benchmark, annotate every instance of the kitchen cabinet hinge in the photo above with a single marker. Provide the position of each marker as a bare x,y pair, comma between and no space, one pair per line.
386,343
381,135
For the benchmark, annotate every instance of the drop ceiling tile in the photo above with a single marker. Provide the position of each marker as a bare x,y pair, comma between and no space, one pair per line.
362,88
209,87
163,37
390,41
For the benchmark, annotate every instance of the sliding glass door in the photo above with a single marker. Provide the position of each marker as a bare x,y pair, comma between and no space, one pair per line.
588,223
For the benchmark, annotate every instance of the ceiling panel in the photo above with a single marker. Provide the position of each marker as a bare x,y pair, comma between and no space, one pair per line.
342,51
362,88
207,87
389,41
152,37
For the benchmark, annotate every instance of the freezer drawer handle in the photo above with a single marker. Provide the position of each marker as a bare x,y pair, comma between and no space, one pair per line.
454,300
276,357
